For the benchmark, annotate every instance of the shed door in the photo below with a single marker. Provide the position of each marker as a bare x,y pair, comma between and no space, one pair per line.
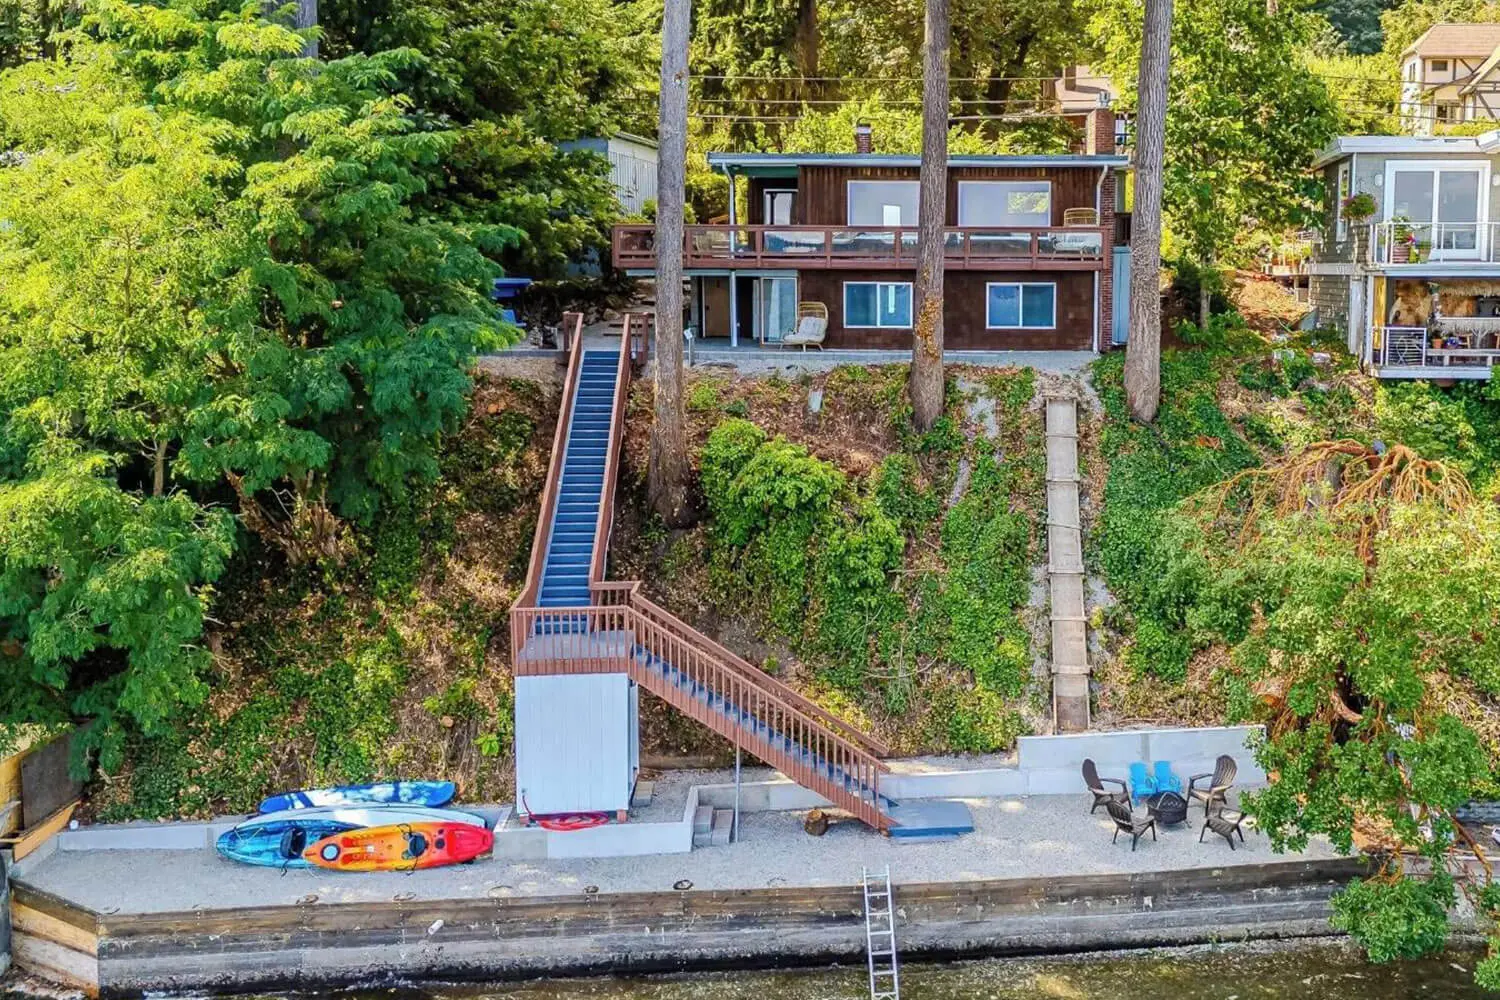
1120,321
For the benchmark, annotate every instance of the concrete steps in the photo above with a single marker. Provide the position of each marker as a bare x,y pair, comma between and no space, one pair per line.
711,827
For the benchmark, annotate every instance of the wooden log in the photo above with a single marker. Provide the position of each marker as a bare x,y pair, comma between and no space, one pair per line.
816,822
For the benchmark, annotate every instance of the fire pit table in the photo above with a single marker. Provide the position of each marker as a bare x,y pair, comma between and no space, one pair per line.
1167,808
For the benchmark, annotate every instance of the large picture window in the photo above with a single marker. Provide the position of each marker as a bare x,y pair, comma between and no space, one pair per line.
1015,305
877,304
883,203
1005,203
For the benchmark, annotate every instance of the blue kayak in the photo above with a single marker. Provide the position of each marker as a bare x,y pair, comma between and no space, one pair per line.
406,793
278,843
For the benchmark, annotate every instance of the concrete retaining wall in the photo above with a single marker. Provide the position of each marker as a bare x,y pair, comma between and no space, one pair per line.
325,945
1053,763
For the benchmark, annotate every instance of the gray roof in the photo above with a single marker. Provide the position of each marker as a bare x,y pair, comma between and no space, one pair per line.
1398,145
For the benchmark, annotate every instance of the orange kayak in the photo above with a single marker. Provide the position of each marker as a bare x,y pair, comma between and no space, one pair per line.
400,848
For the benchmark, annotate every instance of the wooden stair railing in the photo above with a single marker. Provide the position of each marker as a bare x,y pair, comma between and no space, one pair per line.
623,631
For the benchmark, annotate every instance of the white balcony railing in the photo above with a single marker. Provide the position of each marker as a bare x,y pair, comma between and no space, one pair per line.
1434,242
1454,354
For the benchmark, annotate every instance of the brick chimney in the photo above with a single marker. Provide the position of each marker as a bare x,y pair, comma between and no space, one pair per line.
864,138
1099,132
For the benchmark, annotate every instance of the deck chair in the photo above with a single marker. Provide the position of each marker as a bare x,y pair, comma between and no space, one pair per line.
1125,822
812,326
1096,784
1166,781
1142,785
1225,823
1215,789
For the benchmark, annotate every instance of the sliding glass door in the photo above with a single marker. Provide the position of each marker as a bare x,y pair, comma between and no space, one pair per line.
1442,205
775,308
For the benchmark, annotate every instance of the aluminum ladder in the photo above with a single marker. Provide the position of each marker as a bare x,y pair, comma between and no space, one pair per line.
880,935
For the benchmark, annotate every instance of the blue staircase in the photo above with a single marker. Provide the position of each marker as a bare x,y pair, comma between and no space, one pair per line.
575,522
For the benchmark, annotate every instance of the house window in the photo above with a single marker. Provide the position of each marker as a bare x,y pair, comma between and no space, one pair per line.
877,304
883,203
1020,305
1440,65
1446,112
1005,203
1341,191
779,206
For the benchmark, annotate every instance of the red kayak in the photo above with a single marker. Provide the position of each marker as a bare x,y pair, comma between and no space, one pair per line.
401,848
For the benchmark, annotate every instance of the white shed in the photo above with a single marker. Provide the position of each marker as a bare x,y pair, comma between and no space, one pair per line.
577,743
632,167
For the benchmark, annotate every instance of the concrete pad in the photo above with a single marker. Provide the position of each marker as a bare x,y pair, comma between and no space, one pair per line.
1062,416
1067,599
1069,642
1036,837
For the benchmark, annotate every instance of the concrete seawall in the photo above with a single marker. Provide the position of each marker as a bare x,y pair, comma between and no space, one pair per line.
349,943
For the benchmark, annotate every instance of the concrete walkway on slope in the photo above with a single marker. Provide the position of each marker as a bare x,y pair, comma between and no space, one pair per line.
1070,661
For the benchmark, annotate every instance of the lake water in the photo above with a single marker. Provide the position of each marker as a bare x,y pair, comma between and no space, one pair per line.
1303,972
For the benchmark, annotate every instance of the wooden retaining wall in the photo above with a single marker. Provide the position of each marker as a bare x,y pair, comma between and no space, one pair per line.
54,939
342,944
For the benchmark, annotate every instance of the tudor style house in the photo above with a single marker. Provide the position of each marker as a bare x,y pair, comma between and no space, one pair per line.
1031,256
1450,75
1415,284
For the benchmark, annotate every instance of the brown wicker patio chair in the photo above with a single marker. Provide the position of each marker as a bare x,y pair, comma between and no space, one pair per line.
1216,786
1125,822
1096,785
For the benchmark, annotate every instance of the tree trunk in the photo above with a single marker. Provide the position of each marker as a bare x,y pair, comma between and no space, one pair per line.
159,468
666,478
307,17
808,41
1143,350
932,210
1205,291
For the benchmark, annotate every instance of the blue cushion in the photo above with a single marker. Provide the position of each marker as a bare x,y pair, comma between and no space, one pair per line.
1142,784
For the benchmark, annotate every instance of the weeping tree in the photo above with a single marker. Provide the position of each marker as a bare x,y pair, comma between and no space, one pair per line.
1353,588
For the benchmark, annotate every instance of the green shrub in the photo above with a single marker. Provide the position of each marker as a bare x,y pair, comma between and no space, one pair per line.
900,496
977,721
704,396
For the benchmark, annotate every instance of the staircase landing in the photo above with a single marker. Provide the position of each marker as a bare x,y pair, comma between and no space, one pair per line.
929,819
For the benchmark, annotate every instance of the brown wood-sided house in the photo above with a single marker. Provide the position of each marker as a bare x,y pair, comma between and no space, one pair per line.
1033,251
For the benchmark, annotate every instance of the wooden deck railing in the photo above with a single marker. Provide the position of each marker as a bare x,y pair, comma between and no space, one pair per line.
971,248
621,631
